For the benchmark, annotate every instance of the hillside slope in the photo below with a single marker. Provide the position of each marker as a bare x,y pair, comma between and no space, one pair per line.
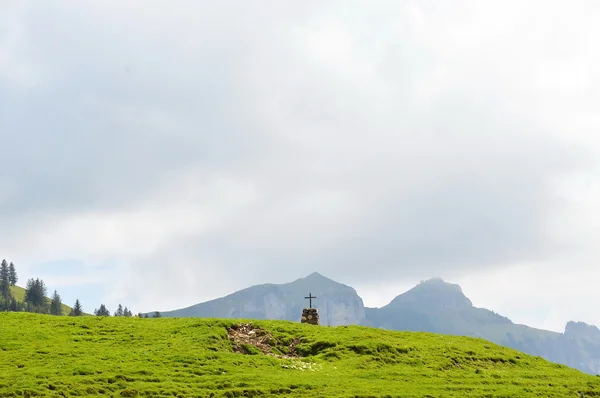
125,357
19,295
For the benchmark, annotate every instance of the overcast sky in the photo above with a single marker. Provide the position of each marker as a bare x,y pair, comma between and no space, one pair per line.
159,155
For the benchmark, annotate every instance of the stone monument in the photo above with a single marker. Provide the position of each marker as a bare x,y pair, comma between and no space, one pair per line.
310,315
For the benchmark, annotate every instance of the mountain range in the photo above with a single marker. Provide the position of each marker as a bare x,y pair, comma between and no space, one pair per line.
431,306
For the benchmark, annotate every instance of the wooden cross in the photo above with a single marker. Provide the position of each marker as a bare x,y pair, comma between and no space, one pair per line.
310,297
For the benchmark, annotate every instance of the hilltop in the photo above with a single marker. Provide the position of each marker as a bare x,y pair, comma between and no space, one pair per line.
431,306
50,356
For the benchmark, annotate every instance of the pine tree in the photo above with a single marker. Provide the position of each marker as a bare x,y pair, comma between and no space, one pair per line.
14,306
102,311
35,296
12,274
56,304
119,311
77,309
126,312
5,281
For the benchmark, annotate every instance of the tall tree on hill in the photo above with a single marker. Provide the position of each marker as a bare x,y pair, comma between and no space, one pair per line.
5,281
119,311
12,274
14,305
56,304
35,296
77,309
102,311
126,312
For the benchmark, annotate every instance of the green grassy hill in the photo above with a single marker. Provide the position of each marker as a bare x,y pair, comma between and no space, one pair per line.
19,295
47,356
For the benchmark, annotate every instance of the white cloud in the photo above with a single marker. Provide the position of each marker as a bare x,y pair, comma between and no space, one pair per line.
538,294
201,149
14,68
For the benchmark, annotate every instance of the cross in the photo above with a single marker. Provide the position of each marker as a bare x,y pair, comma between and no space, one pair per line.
310,297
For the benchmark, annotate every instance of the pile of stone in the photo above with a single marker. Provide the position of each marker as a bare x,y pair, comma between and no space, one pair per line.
310,316
248,334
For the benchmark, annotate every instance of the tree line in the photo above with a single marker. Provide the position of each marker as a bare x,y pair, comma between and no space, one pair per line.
122,311
36,298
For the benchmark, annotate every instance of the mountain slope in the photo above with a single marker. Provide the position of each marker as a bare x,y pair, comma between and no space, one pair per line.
444,308
338,304
47,356
441,307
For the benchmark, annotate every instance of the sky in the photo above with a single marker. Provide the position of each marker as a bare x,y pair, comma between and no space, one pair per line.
163,155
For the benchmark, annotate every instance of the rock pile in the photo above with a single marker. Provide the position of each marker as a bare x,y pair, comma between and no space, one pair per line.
310,316
246,334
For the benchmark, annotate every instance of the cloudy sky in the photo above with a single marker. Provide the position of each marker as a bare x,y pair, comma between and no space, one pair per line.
159,156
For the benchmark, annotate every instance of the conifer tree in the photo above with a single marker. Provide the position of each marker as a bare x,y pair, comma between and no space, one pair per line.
12,274
56,304
14,306
126,312
35,296
77,309
5,281
119,311
102,311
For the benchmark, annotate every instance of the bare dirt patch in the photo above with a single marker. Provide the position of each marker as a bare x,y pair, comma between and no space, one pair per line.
247,335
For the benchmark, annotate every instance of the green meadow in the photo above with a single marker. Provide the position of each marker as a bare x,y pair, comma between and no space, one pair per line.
48,356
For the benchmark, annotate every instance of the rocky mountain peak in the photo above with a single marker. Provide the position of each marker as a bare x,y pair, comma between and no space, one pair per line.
581,330
315,276
316,282
434,292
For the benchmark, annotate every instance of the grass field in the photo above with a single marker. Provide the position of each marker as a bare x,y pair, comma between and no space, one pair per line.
47,356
